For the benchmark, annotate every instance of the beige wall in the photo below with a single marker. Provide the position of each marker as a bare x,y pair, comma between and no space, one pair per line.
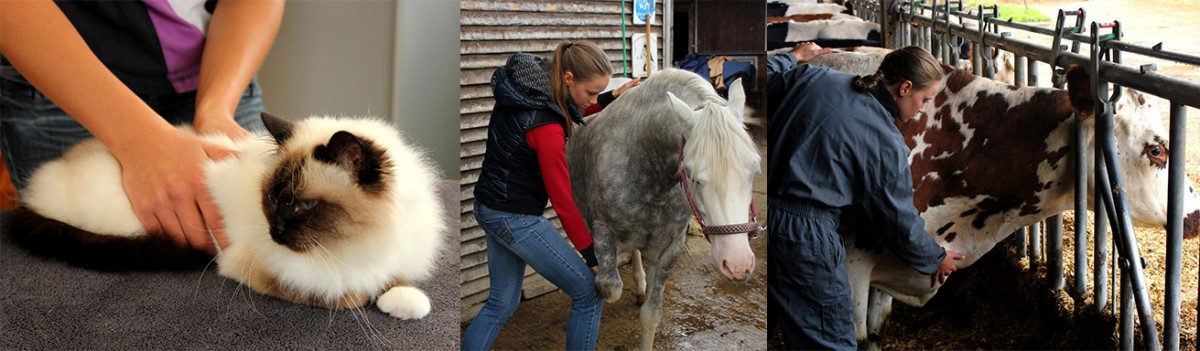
395,59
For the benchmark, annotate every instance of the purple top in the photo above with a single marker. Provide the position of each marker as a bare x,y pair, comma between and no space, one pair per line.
182,41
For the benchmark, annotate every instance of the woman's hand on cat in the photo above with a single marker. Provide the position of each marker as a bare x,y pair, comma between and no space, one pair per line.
209,124
165,185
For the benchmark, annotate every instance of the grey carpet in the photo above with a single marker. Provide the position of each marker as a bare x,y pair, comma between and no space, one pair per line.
50,305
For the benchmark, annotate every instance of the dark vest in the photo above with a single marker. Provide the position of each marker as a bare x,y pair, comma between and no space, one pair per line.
511,180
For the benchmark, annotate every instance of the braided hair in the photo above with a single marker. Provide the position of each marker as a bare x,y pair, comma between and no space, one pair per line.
911,63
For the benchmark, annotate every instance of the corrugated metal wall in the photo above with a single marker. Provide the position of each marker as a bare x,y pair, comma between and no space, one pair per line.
490,32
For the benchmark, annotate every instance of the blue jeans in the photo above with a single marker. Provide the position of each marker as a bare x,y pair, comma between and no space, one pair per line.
514,240
33,130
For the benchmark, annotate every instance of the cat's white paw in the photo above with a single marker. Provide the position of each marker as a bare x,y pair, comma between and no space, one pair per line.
404,302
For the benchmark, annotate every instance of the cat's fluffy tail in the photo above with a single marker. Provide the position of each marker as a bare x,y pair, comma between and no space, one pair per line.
50,238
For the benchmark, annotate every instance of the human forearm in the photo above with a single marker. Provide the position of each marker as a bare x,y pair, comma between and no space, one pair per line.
45,47
239,36
901,226
780,63
547,141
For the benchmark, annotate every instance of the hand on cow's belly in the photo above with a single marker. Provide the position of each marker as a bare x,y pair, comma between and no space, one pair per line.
946,268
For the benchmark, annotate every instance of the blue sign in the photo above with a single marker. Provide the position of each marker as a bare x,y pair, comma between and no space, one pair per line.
643,9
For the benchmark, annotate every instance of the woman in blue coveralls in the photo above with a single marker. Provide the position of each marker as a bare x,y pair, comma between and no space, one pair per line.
835,150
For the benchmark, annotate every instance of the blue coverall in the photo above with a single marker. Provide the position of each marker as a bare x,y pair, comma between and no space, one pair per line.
833,151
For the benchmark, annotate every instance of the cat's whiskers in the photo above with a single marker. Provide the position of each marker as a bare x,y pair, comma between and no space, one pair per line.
249,296
331,254
335,276
364,324
374,335
200,276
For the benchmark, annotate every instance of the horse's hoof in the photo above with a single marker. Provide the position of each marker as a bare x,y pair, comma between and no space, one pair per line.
608,289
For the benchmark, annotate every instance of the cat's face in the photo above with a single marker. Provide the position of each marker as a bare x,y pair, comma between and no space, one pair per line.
322,193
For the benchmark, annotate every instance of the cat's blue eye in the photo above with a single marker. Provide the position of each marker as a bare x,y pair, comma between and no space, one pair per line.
308,205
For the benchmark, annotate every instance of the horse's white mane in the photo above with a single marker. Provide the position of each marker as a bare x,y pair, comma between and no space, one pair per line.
716,138
717,141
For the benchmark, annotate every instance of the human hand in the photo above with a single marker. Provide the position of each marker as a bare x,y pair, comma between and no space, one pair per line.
946,268
165,185
595,269
806,51
218,124
625,87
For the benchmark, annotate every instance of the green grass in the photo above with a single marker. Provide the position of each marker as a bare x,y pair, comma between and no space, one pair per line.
1018,13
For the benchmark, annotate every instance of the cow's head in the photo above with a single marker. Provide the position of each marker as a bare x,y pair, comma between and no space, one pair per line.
720,161
1142,143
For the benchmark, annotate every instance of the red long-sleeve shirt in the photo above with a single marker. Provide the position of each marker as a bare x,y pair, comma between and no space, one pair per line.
548,141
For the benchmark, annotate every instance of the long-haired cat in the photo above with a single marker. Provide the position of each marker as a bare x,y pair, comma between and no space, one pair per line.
328,212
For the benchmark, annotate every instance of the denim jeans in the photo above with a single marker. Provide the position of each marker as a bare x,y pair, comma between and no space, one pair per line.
33,130
514,240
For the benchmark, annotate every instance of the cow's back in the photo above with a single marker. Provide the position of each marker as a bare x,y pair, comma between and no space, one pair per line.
980,138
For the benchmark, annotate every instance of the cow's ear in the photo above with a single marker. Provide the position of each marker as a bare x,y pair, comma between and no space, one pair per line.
1079,88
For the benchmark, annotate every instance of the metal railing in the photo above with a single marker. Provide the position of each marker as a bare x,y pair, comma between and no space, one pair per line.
938,27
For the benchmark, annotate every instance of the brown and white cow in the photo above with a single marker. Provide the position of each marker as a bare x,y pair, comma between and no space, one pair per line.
988,159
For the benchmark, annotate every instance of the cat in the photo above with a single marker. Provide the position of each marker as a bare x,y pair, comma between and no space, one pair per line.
327,212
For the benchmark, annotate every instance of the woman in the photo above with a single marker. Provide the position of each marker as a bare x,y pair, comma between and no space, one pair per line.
537,104
835,151
125,72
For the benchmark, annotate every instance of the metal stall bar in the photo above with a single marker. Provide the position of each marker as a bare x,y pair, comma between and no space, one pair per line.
1079,155
1054,223
1018,65
1175,182
1155,52
1131,261
985,61
1125,325
1100,291
1175,89
1054,247
1035,245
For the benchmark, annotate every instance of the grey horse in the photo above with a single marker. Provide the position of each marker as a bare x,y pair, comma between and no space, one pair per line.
625,168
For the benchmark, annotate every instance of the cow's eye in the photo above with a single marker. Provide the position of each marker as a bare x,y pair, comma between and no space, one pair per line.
1157,155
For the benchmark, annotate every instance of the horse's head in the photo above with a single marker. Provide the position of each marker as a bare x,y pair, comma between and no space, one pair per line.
1141,142
720,160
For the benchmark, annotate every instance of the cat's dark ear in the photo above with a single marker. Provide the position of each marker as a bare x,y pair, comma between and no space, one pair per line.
353,155
280,128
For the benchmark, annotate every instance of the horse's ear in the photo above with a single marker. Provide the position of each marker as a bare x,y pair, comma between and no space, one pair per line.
737,99
682,109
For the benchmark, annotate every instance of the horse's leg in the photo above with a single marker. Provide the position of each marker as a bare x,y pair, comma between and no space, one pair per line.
877,312
660,270
639,273
608,281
